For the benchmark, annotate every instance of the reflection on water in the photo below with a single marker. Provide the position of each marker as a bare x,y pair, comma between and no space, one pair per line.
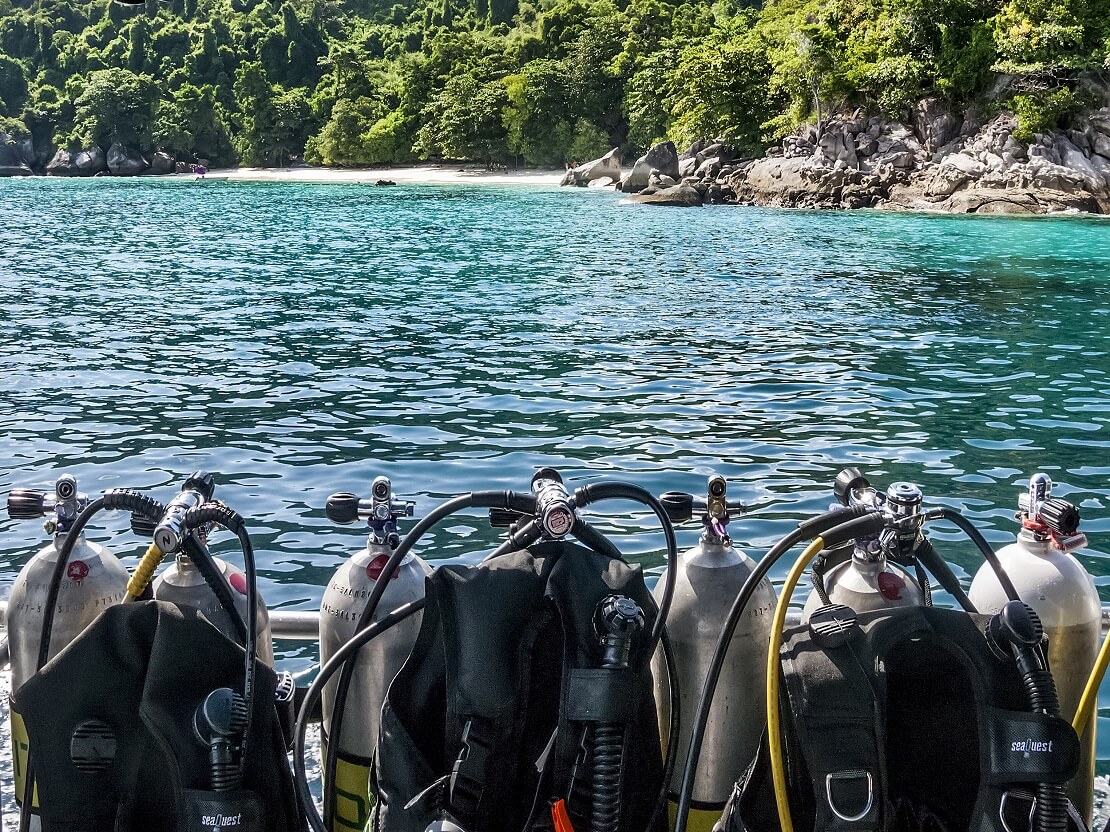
301,339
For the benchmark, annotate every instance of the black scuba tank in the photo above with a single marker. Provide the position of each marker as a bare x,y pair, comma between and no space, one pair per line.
516,694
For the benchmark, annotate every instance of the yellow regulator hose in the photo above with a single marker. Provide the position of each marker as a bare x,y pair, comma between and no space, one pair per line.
1089,701
140,580
774,737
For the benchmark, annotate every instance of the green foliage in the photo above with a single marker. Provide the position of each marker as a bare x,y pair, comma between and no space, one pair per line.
115,105
539,81
1042,111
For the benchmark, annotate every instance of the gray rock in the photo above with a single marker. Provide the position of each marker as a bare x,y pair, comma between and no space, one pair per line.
660,181
687,166
1100,120
63,164
11,160
162,163
682,196
607,167
709,168
954,173
1102,144
1073,158
837,146
694,150
662,157
90,162
125,161
935,125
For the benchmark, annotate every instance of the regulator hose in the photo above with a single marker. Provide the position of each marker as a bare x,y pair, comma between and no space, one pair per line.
804,531
1089,700
973,534
316,690
592,493
216,512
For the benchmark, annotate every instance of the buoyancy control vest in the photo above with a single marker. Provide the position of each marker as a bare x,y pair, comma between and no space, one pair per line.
913,724
111,726
487,722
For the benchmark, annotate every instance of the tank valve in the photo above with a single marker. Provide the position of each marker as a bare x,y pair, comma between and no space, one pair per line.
1048,517
381,511
60,508
170,531
554,506
715,509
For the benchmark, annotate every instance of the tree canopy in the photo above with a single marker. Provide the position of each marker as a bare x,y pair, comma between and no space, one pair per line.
538,82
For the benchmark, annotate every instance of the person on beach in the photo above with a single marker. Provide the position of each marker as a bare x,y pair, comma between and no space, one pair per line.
200,170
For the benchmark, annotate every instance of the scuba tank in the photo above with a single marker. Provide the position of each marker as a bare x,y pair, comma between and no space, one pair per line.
709,577
867,573
1053,582
182,583
94,580
151,718
377,663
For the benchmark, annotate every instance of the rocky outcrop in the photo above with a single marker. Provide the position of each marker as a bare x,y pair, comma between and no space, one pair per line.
90,162
661,159
607,167
683,195
13,160
162,163
125,161
62,164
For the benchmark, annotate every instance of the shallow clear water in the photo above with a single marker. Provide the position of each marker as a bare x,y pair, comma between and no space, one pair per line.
301,339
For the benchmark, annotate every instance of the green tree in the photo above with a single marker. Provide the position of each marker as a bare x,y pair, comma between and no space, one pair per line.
13,86
191,125
464,121
115,105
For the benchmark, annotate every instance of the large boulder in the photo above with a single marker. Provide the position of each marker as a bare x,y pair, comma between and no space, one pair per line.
62,164
955,172
1075,159
682,195
125,161
936,126
836,145
162,163
11,160
607,167
662,157
90,162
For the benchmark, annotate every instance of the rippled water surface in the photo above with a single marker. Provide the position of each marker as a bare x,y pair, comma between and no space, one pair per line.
302,339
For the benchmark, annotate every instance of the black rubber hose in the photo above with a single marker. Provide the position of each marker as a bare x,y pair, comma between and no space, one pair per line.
479,499
595,540
315,691
1051,813
965,525
626,491
938,566
805,530
233,522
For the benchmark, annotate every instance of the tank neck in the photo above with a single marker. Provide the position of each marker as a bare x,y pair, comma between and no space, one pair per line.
60,539
711,553
1035,542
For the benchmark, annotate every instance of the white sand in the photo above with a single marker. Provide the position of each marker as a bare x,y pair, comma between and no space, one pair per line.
424,174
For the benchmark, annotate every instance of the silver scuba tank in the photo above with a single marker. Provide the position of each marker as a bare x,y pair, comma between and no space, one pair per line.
379,661
868,580
1054,583
709,579
94,580
182,583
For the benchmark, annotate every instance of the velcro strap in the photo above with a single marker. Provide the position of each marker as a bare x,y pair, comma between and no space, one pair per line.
1026,748
601,695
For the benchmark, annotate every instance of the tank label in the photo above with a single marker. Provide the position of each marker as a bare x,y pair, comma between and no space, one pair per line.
77,571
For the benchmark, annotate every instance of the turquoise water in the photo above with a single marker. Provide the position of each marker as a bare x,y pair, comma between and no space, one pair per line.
301,339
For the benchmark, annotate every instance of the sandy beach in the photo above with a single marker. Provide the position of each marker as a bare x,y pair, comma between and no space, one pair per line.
422,174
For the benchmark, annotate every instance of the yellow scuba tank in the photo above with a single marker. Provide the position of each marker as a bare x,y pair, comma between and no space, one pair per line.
1049,578
378,662
94,580
710,575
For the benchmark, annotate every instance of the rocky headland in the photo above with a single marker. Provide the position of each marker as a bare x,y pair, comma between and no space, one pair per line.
940,162
20,157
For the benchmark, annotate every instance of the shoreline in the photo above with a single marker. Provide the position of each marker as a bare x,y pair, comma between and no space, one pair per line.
413,175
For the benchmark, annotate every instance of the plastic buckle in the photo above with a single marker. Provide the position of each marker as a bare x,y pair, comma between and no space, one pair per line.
468,776
846,777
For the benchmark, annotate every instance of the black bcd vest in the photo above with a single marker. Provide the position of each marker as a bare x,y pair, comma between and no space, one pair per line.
487,718
913,725
110,724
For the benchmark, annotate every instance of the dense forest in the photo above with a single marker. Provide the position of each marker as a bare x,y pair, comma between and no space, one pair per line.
536,82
